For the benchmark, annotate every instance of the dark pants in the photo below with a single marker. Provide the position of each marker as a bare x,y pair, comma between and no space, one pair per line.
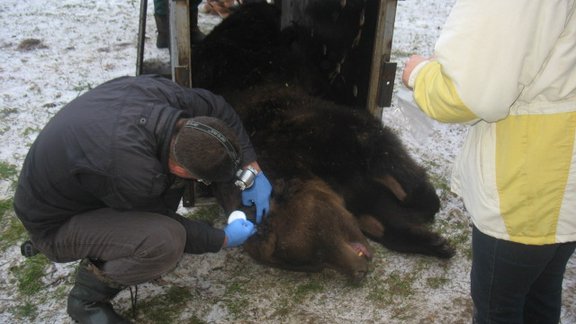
135,246
517,283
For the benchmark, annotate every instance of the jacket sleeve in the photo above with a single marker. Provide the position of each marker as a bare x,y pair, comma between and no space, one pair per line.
437,97
200,102
200,237
487,53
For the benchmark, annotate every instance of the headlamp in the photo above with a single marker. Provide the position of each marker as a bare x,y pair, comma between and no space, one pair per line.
245,178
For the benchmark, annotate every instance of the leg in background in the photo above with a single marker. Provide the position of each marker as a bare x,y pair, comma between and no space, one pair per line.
505,273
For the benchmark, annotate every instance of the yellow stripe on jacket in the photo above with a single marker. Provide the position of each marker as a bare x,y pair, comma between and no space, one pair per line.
437,97
533,158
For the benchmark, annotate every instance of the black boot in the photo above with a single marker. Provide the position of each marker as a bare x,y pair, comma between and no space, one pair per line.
196,36
89,299
163,28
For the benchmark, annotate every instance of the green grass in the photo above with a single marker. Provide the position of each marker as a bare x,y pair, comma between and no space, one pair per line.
30,286
165,308
11,229
437,282
83,87
30,130
8,171
26,310
209,214
30,274
8,111
306,289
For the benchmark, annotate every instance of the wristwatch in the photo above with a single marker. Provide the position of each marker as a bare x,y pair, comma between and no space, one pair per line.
245,178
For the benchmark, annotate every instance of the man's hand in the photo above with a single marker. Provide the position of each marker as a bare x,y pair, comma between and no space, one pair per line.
238,232
258,195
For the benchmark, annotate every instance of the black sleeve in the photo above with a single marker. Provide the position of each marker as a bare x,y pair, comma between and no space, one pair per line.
200,237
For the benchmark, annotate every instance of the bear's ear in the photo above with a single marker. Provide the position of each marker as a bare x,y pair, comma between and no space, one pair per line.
394,186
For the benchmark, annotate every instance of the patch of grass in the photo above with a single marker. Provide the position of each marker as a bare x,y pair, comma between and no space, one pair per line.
235,288
26,310
400,285
439,182
5,206
11,229
237,305
61,291
394,286
208,214
8,111
293,289
7,171
165,308
457,228
195,320
238,298
82,87
306,289
436,282
30,274
30,130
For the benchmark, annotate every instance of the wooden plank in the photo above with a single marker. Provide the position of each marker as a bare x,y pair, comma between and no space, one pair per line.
181,63
180,47
382,73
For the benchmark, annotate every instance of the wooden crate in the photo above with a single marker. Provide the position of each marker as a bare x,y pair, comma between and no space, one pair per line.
352,41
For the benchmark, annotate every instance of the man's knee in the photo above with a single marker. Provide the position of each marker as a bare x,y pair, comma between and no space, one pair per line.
160,247
164,245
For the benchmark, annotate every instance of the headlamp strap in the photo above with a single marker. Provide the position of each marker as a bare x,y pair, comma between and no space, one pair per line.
230,149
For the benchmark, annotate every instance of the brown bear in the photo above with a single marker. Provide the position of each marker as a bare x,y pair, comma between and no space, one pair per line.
294,238
334,160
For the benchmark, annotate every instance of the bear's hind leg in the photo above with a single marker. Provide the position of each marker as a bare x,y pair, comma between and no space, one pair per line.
411,238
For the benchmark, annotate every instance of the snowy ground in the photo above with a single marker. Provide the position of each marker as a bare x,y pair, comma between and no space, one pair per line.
52,51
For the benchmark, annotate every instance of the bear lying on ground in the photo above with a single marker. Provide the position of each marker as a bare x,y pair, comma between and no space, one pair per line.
293,238
336,171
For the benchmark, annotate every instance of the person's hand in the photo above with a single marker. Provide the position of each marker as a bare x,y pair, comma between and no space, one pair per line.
412,62
238,232
258,195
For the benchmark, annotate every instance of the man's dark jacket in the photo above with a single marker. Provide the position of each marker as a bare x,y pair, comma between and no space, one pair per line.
109,148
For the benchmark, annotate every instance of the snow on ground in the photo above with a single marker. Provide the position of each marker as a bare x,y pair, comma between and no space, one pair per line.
53,51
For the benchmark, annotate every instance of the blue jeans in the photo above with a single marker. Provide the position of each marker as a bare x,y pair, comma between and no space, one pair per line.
517,283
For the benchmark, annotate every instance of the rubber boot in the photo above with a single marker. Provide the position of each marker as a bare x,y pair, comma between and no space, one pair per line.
196,36
163,28
89,299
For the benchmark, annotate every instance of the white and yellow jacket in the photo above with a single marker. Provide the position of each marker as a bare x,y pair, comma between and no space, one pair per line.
508,68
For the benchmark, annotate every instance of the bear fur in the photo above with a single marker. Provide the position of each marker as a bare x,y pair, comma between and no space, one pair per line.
336,171
293,238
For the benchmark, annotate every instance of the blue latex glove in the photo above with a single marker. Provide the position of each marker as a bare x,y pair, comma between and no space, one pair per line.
258,195
238,232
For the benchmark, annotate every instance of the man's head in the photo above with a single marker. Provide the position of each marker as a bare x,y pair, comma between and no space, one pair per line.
207,149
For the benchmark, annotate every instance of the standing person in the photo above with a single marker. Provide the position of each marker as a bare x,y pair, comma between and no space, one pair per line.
161,16
103,180
508,69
